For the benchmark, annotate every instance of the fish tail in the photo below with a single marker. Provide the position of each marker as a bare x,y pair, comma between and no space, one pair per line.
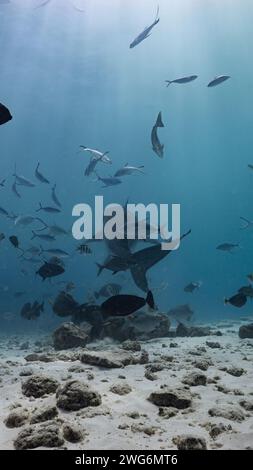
226,301
100,268
157,19
150,300
168,82
40,207
96,295
159,122
37,167
34,235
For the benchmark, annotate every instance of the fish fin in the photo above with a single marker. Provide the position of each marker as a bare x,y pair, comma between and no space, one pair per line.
168,82
226,301
100,268
40,207
157,19
150,300
159,122
96,295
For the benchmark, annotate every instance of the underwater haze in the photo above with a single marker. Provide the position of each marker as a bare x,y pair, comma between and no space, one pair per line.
69,78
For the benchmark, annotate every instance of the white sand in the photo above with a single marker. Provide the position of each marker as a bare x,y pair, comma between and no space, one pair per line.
102,431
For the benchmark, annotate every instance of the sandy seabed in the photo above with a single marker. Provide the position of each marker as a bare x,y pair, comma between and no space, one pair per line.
212,378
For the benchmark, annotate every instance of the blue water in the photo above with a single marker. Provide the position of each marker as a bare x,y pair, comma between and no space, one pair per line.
69,78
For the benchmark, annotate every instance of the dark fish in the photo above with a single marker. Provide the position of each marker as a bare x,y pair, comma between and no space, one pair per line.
237,300
248,223
181,313
45,237
32,311
157,147
227,247
49,209
84,249
14,189
19,294
145,33
48,270
55,252
14,241
91,167
145,259
4,212
22,181
246,290
192,286
54,197
108,290
188,79
123,305
5,114
218,80
64,305
39,175
42,4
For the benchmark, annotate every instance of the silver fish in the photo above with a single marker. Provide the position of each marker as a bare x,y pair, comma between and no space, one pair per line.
218,80
39,175
182,80
45,237
129,170
110,181
22,181
55,252
14,189
157,147
51,210
96,154
54,197
146,32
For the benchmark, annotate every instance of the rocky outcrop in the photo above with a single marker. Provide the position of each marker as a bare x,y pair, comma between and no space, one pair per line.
121,389
69,335
190,442
183,330
194,378
38,385
175,398
17,418
246,331
231,413
72,433
108,360
46,413
75,395
39,435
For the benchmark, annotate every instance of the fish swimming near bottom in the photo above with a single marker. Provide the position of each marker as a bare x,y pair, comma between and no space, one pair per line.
108,290
64,305
181,313
48,270
123,305
237,300
32,311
